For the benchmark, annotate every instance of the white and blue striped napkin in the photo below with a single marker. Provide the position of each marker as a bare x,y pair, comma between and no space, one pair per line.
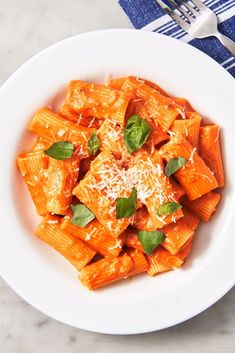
147,15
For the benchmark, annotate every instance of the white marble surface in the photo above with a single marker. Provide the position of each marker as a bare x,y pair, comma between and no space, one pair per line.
26,27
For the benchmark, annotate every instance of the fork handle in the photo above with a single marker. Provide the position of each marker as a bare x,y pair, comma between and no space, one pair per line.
227,43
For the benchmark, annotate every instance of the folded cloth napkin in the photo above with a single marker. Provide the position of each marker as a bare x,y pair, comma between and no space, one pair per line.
148,15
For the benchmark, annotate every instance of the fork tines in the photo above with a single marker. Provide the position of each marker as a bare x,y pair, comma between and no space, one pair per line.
182,12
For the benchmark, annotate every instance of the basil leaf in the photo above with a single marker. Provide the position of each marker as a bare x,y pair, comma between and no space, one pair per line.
81,215
93,144
150,240
174,164
125,207
168,208
60,150
136,133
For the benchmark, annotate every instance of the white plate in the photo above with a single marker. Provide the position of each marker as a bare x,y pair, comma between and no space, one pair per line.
41,276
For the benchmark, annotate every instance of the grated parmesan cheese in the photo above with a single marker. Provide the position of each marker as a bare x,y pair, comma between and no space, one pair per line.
186,130
91,122
192,154
116,182
79,119
61,132
113,134
31,183
171,133
87,237
204,176
117,245
181,113
52,221
173,219
84,135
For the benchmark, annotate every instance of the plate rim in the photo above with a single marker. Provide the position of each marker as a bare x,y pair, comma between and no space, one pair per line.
2,88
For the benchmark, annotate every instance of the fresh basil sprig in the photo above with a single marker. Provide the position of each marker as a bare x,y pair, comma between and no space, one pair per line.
174,164
126,206
136,133
81,215
93,144
60,150
168,208
150,240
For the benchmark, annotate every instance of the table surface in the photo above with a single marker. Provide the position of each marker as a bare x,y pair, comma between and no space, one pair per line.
26,28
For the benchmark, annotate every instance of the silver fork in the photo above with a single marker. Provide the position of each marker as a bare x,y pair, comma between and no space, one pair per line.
197,19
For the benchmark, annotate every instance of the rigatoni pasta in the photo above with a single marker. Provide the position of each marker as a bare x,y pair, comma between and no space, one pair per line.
61,180
78,118
139,261
177,235
32,167
163,257
209,150
122,173
189,128
104,271
195,177
73,249
96,191
97,100
162,109
96,236
191,219
53,127
204,206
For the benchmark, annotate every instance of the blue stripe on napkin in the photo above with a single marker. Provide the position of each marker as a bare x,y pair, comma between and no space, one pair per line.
147,14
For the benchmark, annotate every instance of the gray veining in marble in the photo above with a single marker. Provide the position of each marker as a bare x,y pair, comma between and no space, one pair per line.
26,27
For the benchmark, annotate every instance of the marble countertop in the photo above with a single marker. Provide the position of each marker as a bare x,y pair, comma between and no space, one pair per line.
26,27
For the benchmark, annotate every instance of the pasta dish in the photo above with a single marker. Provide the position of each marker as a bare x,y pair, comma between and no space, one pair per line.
121,175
